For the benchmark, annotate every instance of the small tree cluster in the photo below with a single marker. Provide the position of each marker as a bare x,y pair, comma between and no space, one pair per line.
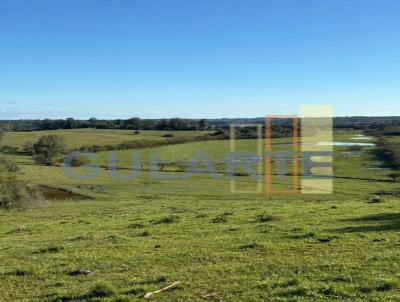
49,149
389,152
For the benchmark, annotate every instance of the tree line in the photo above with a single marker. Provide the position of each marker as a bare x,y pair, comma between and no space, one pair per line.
134,123
380,124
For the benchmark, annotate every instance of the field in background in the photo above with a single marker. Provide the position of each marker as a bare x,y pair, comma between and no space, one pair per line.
140,235
76,138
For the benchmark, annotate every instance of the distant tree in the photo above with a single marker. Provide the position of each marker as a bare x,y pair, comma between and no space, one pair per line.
46,124
118,123
162,125
49,149
148,124
102,125
70,123
203,124
132,123
177,124
92,122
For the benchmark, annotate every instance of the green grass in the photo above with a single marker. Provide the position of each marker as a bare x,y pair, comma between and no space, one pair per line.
137,236
77,138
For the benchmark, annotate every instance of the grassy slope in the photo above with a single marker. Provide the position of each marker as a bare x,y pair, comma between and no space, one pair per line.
237,257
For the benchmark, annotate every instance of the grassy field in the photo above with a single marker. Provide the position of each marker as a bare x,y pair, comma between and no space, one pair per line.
77,138
128,237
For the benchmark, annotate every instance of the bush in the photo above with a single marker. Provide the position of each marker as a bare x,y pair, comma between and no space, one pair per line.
168,135
17,194
14,193
80,161
48,149
9,149
389,152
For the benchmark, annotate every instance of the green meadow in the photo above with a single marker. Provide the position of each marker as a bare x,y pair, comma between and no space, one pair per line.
116,238
77,138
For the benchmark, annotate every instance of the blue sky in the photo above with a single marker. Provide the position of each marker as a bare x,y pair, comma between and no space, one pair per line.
197,58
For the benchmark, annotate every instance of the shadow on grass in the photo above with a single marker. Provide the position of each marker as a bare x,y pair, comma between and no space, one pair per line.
378,223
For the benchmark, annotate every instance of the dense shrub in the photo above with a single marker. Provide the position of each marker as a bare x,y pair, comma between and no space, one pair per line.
15,193
9,149
80,161
389,152
49,149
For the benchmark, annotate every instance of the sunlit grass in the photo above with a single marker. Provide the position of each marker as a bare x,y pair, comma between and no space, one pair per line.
140,235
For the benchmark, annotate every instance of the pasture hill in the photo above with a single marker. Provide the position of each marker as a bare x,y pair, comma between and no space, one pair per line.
135,232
